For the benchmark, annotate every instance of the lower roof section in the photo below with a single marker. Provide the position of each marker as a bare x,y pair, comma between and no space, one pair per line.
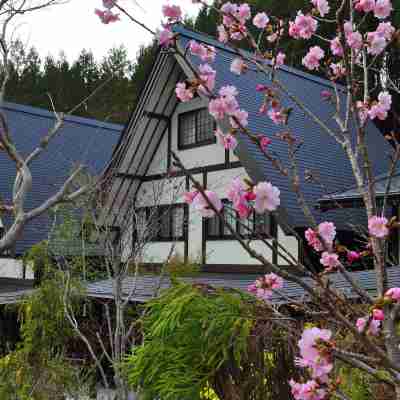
145,287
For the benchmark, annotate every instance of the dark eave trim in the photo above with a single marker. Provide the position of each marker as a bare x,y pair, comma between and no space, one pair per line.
193,171
151,114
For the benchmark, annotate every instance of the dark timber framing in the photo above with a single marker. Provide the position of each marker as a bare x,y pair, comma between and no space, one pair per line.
203,228
162,94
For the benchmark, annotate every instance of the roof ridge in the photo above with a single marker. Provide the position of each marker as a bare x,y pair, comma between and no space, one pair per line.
192,33
38,111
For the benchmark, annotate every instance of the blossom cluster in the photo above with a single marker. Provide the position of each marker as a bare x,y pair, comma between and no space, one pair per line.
371,324
261,198
107,15
315,355
264,286
327,232
272,105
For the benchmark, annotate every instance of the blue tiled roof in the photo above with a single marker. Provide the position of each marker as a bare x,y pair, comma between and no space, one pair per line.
319,153
143,288
80,140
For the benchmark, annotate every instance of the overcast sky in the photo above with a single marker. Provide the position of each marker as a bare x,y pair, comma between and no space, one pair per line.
73,26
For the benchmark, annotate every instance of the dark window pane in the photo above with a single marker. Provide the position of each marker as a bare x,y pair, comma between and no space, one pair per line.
165,222
263,224
187,129
196,127
178,216
229,217
205,126
213,226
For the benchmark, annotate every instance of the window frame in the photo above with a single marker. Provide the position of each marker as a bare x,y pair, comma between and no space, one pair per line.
197,142
224,236
161,210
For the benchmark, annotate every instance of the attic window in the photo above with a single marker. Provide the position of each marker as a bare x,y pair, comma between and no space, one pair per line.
196,128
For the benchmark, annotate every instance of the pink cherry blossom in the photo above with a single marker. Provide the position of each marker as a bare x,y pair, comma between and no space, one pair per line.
243,13
336,47
373,328
376,43
238,66
313,240
327,231
265,142
239,119
393,294
307,391
106,16
361,323
309,341
200,203
383,9
365,5
313,58
277,115
261,20
386,30
273,281
377,227
322,6
207,75
279,60
165,37
204,52
385,100
353,256
354,40
330,260
228,141
109,3
303,27
217,108
326,94
263,287
338,70
378,314
267,197
172,12
228,91
222,34
188,197
183,93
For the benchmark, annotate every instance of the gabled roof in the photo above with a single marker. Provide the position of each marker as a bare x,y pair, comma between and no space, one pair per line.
353,198
144,287
80,140
319,152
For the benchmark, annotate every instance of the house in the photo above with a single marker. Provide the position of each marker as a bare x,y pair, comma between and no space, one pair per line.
80,140
387,186
161,124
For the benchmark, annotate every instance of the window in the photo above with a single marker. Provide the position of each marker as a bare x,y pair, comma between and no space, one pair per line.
196,128
256,225
161,223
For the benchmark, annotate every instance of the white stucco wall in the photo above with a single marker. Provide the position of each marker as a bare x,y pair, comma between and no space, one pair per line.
217,252
12,268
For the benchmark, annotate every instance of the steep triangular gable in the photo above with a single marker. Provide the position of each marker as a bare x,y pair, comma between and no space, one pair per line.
148,127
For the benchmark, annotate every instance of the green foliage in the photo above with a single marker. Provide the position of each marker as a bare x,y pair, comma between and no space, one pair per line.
189,333
121,79
38,368
357,385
